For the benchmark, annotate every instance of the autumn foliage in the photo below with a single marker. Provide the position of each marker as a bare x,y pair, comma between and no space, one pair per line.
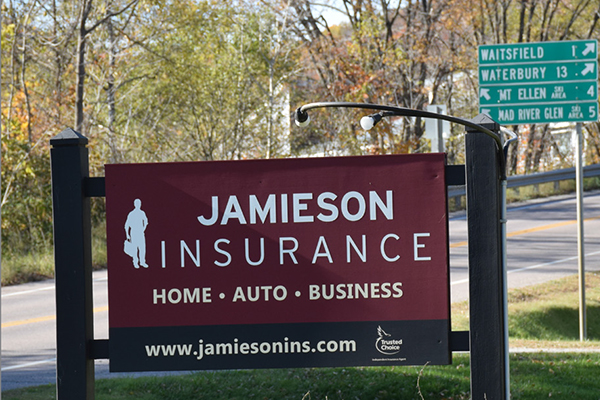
159,80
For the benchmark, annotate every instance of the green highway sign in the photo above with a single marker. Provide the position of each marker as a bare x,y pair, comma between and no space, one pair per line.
546,72
543,82
520,53
539,114
538,93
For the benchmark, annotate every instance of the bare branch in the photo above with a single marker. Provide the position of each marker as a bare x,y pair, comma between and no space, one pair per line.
110,15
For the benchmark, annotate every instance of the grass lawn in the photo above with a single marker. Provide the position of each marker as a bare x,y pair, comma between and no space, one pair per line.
533,376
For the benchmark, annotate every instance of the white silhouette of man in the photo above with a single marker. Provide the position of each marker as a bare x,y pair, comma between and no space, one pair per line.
135,226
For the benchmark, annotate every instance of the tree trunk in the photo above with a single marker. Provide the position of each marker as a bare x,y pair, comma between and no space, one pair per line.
86,7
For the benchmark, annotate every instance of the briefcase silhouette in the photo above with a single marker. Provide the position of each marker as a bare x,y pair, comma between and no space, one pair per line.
129,248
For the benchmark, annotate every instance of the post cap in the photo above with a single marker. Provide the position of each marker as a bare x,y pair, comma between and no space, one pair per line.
486,121
69,137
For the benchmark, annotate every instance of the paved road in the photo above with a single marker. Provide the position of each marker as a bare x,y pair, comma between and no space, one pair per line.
542,239
541,244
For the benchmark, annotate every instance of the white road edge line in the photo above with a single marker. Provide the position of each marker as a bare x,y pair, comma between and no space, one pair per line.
534,266
31,364
28,291
43,289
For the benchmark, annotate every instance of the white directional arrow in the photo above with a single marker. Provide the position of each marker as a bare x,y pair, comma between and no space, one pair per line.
485,93
589,47
589,67
487,111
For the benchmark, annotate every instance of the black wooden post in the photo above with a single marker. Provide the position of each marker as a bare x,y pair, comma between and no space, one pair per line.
73,267
486,276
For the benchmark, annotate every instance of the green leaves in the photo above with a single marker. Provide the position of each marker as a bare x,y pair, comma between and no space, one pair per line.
209,75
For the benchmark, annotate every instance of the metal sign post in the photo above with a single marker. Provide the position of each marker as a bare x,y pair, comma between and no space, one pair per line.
580,234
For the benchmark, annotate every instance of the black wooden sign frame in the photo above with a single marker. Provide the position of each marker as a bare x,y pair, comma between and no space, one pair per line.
77,349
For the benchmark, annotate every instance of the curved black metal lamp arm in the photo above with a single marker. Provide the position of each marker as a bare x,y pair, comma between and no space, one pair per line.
301,115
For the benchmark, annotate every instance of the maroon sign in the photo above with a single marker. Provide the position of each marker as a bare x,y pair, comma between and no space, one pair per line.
278,263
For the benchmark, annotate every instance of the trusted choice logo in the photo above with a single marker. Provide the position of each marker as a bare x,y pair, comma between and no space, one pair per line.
386,344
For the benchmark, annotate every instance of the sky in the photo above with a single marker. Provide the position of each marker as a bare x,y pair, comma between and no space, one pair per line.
332,16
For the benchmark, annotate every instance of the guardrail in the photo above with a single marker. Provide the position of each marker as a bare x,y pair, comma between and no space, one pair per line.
536,178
